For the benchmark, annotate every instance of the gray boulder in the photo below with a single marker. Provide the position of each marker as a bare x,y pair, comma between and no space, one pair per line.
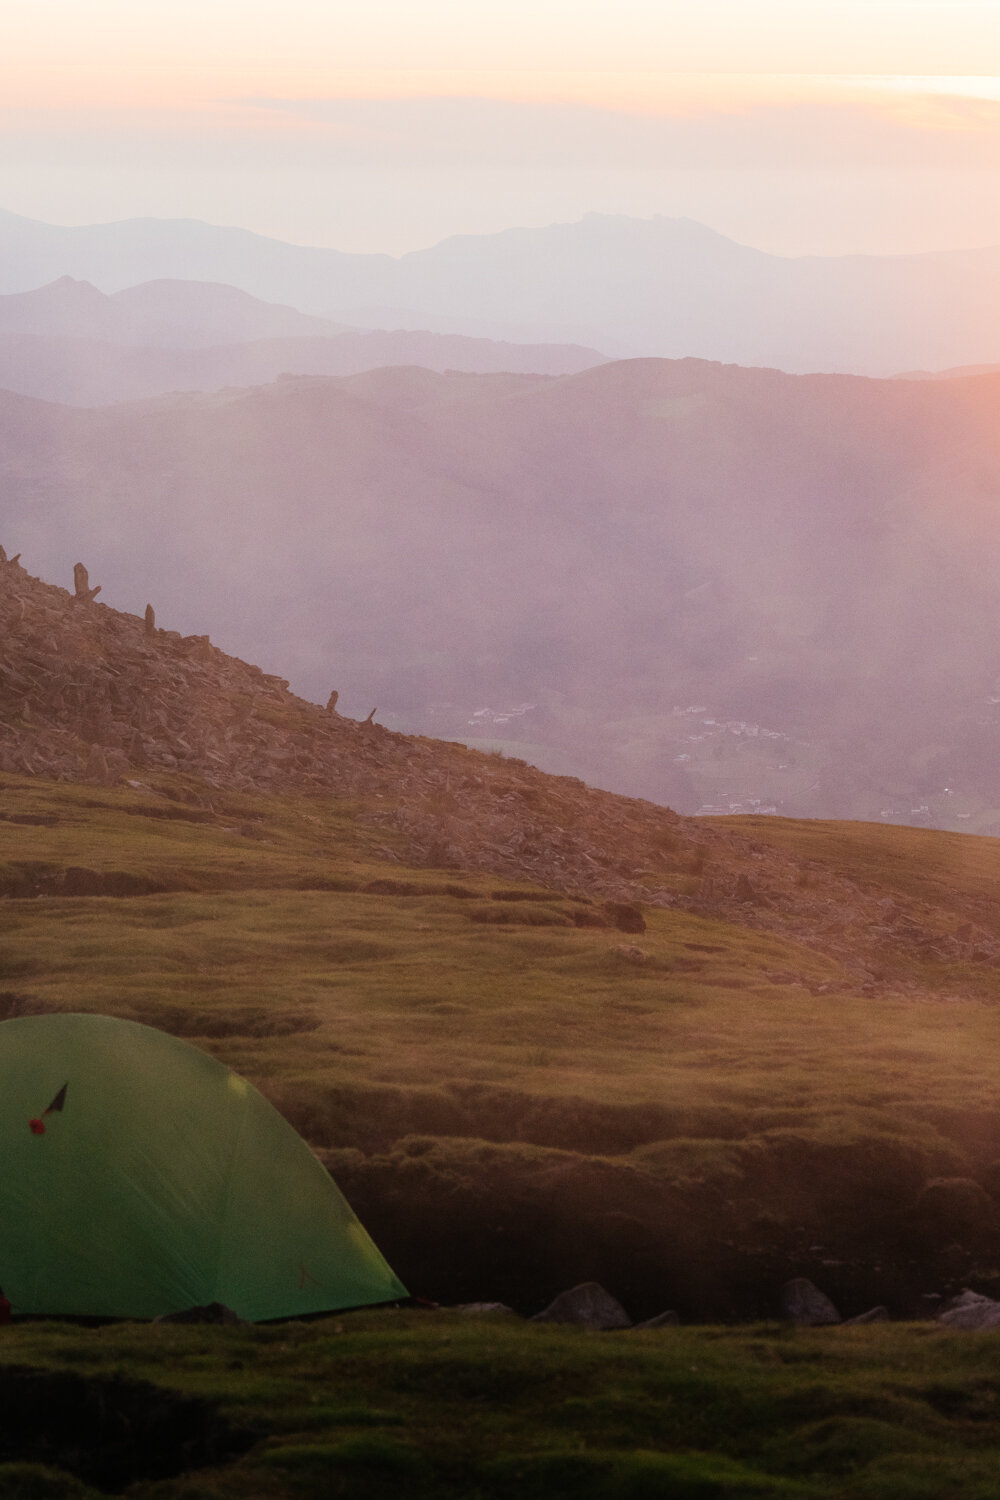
804,1304
873,1315
971,1312
588,1306
662,1320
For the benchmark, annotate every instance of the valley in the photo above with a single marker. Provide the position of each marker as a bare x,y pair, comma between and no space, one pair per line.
815,556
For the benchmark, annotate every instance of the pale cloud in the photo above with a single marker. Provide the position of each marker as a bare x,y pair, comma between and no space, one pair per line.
798,125
848,166
181,51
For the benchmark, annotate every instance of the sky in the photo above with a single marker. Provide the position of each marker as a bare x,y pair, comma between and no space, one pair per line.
799,126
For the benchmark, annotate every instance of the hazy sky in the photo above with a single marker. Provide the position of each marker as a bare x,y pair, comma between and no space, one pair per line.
796,125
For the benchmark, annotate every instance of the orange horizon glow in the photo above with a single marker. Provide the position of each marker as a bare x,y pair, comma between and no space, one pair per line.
393,127
95,54
928,101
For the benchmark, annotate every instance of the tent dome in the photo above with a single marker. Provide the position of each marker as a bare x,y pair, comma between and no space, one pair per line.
140,1176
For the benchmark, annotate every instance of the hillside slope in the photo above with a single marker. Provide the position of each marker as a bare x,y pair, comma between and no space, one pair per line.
539,1032
702,584
86,372
154,315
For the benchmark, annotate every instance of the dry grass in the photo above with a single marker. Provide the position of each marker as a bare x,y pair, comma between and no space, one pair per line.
794,1118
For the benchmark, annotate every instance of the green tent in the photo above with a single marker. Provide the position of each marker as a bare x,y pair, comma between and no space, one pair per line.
139,1176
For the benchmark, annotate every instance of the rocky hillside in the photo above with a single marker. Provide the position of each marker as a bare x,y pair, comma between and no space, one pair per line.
771,592
688,1058
88,693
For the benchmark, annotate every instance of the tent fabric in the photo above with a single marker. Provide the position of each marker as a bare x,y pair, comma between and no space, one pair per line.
164,1181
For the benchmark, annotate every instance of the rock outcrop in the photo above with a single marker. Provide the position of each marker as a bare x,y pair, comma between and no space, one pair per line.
972,1313
803,1303
587,1306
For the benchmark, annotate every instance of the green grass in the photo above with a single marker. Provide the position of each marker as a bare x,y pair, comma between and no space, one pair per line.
513,1103
926,864
449,1405
689,1114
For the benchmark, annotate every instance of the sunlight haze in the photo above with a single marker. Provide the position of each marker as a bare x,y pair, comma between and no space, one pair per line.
796,127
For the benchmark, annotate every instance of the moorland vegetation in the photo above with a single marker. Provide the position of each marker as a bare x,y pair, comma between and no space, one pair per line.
540,1034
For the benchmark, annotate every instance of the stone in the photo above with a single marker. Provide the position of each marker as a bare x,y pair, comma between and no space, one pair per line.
149,620
199,647
747,893
587,1306
662,1320
804,1304
873,1315
81,584
959,1206
97,765
631,954
331,702
971,1313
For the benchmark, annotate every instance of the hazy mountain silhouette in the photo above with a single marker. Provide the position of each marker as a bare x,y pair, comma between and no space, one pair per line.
156,314
70,342
83,372
667,287
959,372
807,569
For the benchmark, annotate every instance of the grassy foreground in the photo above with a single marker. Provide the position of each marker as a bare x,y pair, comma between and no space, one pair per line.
515,1096
515,1102
485,1408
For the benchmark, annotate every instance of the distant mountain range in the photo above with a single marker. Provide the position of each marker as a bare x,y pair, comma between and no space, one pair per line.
71,343
666,287
711,586
156,315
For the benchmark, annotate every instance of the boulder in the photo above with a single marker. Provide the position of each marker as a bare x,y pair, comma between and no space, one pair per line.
662,1320
746,891
631,954
971,1312
873,1315
804,1304
588,1306
81,585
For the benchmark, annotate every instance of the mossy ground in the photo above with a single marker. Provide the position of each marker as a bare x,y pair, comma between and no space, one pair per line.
519,1102
485,1408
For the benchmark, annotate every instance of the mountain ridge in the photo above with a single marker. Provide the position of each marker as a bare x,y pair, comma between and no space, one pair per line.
69,342
91,694
659,287
771,590
162,313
